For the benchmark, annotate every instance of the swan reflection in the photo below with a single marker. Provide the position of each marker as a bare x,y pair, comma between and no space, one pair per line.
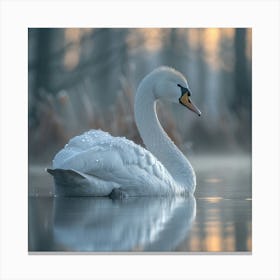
135,224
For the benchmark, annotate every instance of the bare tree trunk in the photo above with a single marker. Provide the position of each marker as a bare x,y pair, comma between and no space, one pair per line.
43,52
39,53
242,100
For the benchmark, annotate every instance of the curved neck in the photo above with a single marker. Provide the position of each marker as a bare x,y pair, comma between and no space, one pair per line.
157,141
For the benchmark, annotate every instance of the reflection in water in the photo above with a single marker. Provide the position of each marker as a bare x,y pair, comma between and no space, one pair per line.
221,225
100,224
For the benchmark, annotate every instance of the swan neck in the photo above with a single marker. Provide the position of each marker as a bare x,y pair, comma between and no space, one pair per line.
157,141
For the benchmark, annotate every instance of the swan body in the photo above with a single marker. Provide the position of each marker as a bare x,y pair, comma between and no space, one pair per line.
98,164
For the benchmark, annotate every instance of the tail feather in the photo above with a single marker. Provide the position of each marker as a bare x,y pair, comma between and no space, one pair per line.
67,173
69,182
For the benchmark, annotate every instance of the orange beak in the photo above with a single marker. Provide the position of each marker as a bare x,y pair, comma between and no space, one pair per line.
186,101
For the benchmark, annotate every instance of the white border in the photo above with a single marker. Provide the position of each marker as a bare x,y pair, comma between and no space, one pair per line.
17,16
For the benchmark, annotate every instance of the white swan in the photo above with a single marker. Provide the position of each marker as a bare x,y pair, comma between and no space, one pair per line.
97,164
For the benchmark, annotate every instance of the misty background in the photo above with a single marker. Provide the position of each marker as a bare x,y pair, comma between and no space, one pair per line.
85,78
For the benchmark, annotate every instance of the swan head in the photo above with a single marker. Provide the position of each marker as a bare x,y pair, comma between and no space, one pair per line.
172,86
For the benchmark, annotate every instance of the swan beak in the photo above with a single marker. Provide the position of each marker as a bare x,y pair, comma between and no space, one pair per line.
186,101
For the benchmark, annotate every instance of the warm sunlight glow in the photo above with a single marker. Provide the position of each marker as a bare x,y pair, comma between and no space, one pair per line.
212,241
195,244
208,42
227,33
249,237
249,43
72,35
71,58
152,38
213,199
194,37
213,180
229,240
195,241
72,55
211,41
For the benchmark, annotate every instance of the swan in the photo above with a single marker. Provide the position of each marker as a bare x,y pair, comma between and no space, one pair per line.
98,164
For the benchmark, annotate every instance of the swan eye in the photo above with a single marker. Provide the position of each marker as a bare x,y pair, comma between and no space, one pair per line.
184,90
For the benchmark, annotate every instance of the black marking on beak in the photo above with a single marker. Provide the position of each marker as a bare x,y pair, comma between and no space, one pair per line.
184,90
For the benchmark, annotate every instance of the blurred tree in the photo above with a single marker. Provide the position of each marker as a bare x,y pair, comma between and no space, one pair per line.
241,103
242,85
43,54
122,34
40,54
110,51
175,48
102,51
201,67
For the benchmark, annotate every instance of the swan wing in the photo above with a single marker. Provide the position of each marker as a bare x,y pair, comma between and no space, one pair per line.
100,159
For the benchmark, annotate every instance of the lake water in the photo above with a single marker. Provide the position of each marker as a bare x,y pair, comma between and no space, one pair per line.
217,219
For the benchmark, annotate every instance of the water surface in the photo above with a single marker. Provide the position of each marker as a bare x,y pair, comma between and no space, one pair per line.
217,219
